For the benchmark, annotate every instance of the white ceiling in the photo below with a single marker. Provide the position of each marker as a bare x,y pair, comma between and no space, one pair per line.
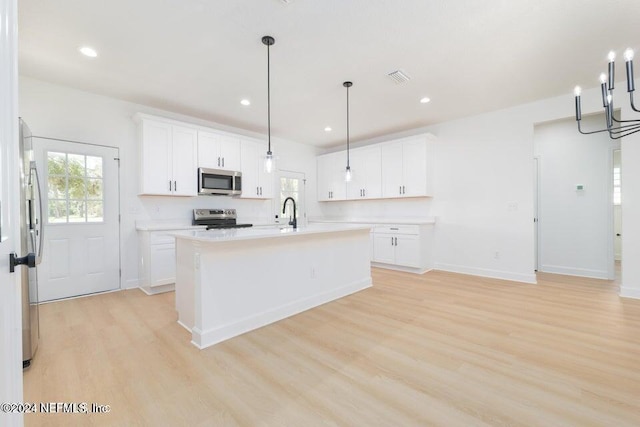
201,57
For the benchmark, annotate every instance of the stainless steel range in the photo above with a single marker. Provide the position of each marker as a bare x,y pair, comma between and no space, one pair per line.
217,218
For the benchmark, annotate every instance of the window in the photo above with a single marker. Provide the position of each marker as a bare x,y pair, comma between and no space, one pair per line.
617,194
74,188
292,184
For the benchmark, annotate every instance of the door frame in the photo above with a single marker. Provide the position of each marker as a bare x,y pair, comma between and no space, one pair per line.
119,206
611,252
536,212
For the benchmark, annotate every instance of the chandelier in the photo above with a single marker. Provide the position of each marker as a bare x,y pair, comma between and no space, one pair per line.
616,128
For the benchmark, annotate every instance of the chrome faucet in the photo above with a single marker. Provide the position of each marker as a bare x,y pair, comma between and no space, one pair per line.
294,221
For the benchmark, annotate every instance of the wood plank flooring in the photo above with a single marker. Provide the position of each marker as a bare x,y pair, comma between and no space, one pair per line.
436,349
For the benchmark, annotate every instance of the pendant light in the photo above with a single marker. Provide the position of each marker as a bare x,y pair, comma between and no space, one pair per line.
268,160
347,173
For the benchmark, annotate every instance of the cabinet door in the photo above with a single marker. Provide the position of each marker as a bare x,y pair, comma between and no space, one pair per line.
156,158
265,179
208,151
185,174
408,250
337,166
324,184
230,153
392,170
372,165
414,168
358,162
249,163
383,248
163,264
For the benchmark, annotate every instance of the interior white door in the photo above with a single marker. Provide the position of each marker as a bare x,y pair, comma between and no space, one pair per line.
82,240
10,308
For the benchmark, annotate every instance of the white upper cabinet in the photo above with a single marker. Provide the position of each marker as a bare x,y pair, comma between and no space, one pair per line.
218,151
366,181
256,183
406,168
394,169
331,170
168,156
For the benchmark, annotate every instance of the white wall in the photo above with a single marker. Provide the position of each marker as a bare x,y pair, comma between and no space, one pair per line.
60,112
575,226
630,207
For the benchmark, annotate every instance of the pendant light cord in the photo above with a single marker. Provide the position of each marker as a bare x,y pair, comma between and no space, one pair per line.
269,98
347,126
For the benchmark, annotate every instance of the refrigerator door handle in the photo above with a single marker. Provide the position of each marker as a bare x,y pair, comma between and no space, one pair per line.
40,219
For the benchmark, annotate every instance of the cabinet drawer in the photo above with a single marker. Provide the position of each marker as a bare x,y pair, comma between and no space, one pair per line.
397,229
159,238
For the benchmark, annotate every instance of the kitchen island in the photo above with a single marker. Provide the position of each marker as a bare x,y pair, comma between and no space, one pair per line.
232,281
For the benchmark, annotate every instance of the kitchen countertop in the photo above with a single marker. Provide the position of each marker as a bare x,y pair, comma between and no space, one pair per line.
408,221
236,234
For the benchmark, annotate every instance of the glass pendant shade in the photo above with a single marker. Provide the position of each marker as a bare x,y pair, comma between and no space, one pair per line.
268,162
347,174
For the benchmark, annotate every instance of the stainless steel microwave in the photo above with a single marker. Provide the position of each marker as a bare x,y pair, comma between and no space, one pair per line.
220,182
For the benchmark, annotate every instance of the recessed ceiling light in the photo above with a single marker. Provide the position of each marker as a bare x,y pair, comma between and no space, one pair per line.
87,51
424,100
327,129
245,102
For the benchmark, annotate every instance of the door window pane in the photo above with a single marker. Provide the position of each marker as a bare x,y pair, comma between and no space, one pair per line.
74,188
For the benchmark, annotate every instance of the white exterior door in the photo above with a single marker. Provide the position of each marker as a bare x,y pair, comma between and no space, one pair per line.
10,308
81,243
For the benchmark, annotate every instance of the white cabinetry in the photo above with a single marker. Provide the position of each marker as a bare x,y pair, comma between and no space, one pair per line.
331,183
256,183
394,169
366,182
218,151
405,169
168,157
157,264
399,246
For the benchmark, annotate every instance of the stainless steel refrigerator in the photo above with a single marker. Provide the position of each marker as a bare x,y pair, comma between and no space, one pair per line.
31,238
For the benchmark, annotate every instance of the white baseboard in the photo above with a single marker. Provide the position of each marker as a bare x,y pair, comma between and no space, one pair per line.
158,289
572,271
400,268
484,272
203,339
629,292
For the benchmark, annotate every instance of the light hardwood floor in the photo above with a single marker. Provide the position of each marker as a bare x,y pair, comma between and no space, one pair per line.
436,349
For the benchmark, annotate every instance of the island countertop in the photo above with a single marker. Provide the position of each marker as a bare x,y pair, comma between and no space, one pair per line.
250,233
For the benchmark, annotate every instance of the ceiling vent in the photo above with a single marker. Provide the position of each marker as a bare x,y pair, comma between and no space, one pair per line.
399,76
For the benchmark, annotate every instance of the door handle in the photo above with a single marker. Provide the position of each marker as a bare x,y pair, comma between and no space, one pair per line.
223,162
260,189
41,217
218,161
29,260
392,241
169,185
175,185
257,191
403,192
618,234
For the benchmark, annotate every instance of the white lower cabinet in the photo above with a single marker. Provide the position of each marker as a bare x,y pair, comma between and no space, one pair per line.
157,264
403,246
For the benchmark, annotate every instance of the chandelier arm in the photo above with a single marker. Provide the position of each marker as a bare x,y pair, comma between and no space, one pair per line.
623,130
626,134
625,121
624,127
589,133
633,107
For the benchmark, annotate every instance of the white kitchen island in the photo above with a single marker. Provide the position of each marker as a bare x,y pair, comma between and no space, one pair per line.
232,281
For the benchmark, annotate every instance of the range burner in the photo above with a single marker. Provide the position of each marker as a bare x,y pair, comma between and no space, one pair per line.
217,218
